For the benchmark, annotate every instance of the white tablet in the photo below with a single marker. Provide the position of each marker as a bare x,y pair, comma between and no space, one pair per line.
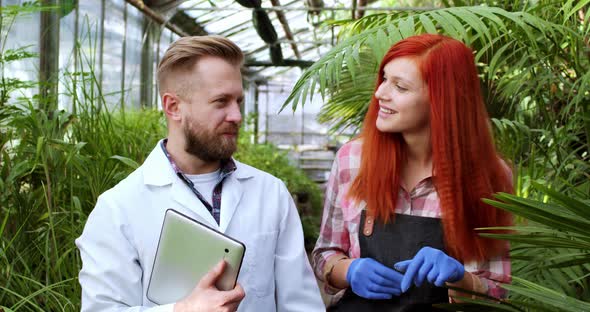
187,250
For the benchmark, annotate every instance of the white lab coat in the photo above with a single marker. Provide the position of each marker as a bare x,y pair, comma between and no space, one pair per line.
120,238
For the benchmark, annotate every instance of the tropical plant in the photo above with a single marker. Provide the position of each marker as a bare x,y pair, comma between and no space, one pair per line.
514,50
552,247
534,65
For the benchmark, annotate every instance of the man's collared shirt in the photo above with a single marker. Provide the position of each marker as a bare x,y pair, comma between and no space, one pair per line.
227,167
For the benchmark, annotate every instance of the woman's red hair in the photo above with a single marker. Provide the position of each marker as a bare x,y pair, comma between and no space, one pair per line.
466,166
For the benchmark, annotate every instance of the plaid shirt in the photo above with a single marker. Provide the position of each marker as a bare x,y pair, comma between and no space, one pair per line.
341,221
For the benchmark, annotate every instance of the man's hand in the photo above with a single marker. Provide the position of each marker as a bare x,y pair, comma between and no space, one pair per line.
206,297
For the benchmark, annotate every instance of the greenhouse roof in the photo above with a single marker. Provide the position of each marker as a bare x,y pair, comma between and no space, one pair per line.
297,38
293,29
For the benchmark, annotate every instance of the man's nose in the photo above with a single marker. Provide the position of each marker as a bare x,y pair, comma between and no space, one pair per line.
234,114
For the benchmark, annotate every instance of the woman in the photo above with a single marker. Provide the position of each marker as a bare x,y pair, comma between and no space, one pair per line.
404,198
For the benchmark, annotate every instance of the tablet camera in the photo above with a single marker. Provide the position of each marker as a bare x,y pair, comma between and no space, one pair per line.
226,250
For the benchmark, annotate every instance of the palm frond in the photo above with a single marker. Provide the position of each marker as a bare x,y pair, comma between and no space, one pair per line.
478,26
545,295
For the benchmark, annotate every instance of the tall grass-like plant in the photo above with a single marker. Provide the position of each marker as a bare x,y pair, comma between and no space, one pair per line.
53,165
52,172
51,178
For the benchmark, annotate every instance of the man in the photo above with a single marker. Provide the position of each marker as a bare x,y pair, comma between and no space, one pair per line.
192,171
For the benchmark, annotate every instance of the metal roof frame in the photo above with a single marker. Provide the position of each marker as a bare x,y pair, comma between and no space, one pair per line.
300,41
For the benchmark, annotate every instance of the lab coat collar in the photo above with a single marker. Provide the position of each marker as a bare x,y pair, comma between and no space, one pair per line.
157,171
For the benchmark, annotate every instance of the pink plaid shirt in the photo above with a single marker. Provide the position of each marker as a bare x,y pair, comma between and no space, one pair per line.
341,220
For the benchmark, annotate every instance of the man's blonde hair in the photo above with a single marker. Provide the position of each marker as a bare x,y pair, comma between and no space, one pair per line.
185,52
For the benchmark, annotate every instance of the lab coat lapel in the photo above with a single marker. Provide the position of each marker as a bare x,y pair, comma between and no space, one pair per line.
158,172
183,195
230,198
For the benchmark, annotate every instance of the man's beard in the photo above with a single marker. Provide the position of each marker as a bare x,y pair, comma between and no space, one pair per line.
210,146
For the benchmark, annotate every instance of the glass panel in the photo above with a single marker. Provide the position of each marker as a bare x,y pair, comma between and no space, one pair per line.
133,56
166,39
114,30
67,29
88,61
20,32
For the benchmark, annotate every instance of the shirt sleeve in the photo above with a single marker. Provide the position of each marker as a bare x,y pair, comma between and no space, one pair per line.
498,269
111,275
296,287
493,272
333,240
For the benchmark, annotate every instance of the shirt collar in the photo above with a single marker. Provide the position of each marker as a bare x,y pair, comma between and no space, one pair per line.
423,188
158,171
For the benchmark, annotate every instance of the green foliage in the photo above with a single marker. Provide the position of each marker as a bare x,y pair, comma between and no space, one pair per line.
533,62
53,167
549,155
551,249
486,27
535,77
345,110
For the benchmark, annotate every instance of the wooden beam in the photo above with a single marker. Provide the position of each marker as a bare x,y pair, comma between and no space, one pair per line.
285,24
286,63
146,71
48,57
156,17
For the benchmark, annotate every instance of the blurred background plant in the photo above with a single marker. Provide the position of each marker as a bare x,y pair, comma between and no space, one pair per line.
306,193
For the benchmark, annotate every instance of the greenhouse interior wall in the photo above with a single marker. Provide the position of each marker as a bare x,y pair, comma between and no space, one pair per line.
79,112
122,48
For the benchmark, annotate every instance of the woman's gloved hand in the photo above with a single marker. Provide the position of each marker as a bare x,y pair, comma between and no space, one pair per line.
431,264
373,280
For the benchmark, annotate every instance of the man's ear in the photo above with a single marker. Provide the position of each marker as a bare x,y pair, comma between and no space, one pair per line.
171,106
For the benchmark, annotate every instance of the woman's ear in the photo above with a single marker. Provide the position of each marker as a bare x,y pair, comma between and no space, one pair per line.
171,106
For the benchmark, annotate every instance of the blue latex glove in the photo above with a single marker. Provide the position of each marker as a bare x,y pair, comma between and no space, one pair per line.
431,264
372,280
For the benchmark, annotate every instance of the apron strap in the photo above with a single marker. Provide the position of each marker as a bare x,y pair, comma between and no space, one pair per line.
369,223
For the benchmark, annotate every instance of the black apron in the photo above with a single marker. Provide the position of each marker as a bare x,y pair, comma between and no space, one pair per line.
389,244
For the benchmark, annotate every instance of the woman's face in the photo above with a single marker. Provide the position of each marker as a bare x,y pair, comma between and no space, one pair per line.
403,98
